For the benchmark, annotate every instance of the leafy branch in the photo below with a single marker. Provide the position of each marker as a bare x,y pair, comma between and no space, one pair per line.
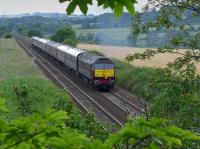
116,5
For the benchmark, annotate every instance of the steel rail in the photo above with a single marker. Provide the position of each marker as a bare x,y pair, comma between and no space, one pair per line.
128,102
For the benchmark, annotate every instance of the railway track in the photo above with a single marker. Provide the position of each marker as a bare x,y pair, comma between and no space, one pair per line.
125,105
109,107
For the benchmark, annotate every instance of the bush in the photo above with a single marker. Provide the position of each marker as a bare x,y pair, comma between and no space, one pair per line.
7,36
133,78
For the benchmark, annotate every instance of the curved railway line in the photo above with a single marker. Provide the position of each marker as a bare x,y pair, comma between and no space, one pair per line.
111,108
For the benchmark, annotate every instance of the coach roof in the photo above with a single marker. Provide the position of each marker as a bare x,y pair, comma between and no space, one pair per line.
70,50
41,39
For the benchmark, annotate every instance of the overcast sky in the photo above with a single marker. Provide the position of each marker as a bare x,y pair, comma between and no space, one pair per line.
30,6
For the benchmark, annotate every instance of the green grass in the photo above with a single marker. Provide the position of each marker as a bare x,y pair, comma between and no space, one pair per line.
14,62
132,78
25,96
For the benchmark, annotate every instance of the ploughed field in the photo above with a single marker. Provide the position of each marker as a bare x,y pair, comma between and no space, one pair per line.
158,61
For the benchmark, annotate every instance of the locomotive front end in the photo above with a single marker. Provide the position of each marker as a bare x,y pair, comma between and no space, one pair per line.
104,74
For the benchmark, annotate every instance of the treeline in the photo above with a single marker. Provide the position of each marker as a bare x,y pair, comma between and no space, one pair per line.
50,24
47,26
5,32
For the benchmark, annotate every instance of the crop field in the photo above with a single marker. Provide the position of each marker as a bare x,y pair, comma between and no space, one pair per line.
114,33
159,61
119,35
14,62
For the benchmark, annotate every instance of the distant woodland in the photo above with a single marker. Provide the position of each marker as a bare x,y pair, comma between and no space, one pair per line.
103,29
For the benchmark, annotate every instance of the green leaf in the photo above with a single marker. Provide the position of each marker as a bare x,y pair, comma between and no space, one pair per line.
101,2
56,116
130,6
118,10
62,1
71,7
2,106
89,2
83,6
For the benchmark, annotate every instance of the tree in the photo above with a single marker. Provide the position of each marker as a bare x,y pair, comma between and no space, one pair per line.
65,35
34,32
116,5
175,89
70,42
20,30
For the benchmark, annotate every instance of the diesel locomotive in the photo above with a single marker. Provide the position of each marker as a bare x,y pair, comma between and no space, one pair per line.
90,67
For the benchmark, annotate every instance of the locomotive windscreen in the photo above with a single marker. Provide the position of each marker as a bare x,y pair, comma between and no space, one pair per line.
103,66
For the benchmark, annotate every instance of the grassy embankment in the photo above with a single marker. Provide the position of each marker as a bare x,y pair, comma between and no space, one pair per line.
14,62
26,91
132,78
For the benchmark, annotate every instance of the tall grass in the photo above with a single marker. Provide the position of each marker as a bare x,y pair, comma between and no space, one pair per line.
132,78
28,95
14,62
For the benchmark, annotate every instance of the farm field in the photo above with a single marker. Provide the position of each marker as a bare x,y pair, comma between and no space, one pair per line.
159,61
14,62
114,33
119,36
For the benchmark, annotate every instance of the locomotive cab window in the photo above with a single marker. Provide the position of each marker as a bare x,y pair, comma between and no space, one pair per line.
99,66
103,66
109,66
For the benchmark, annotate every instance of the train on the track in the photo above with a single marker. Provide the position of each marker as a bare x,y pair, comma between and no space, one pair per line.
90,67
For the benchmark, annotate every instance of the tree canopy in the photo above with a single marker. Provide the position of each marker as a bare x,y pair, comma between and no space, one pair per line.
174,89
65,35
34,32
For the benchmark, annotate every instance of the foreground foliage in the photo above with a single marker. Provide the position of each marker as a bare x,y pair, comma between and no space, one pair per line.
25,97
50,130
174,90
116,5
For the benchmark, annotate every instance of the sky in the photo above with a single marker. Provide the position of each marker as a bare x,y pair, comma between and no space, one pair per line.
8,7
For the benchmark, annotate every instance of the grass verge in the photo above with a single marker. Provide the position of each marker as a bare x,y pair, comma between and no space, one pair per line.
25,96
132,78
14,62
